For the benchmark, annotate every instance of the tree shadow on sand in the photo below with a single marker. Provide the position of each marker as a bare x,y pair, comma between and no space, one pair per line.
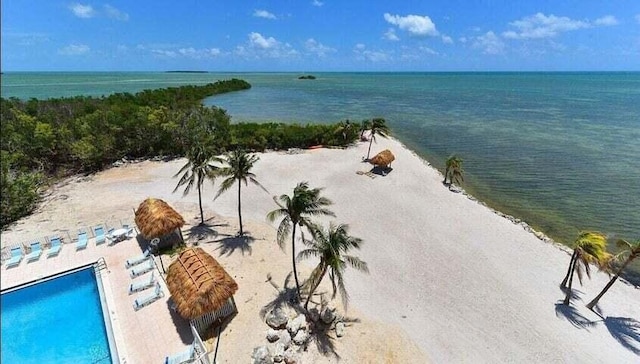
204,231
575,293
324,335
231,243
572,315
626,331
286,296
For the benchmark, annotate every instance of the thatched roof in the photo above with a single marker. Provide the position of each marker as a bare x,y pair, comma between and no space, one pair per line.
383,158
155,218
198,283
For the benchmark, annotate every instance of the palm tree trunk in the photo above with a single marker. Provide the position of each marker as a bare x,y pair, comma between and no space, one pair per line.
370,142
567,298
200,201
315,286
293,259
564,281
240,208
611,282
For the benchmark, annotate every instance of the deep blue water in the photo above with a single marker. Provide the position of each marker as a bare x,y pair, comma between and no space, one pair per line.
57,321
559,150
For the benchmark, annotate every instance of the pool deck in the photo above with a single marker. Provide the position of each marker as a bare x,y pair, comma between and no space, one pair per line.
144,336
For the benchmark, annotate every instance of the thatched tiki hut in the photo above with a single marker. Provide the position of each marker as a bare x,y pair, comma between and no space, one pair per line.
383,159
156,219
201,289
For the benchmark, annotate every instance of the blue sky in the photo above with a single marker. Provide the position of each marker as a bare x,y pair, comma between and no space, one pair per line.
320,35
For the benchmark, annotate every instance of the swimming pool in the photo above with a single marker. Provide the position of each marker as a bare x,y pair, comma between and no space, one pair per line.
60,319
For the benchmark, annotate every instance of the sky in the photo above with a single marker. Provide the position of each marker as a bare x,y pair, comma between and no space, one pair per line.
320,35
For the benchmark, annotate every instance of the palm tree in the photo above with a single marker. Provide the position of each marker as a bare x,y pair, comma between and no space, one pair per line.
197,169
366,124
296,211
589,247
633,251
238,168
344,128
453,170
331,247
378,127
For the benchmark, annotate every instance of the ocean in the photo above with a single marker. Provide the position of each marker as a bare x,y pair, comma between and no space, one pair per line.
560,151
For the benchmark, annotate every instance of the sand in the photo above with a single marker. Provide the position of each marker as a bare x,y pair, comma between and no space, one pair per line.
450,282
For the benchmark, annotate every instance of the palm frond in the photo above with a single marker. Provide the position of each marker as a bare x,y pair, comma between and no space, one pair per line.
356,263
224,186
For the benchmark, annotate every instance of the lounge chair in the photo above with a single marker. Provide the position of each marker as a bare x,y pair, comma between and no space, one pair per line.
99,233
142,268
148,298
83,239
16,257
56,245
182,357
36,252
136,260
143,284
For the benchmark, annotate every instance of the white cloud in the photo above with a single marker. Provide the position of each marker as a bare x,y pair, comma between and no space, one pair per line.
199,53
447,39
25,39
390,35
360,46
263,14
164,53
82,11
313,46
607,20
489,42
259,41
317,3
261,46
416,25
74,50
114,13
540,26
462,39
363,54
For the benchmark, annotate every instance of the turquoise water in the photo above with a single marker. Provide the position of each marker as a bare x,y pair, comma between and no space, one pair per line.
559,150
57,321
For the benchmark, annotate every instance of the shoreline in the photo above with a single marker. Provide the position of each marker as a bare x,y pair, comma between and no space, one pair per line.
462,282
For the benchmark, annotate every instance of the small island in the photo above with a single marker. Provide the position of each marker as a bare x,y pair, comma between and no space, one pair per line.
307,77
187,71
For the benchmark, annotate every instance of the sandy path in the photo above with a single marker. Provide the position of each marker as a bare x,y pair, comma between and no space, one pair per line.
466,285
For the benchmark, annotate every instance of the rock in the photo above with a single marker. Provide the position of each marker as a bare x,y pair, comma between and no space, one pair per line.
328,315
314,314
278,353
277,319
273,335
261,356
285,338
340,329
455,189
301,337
294,325
290,357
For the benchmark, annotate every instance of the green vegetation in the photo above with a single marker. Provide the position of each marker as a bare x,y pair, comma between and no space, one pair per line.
631,251
453,170
378,127
589,247
238,168
331,247
296,211
45,140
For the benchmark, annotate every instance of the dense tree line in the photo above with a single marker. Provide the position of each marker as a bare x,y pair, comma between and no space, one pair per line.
44,140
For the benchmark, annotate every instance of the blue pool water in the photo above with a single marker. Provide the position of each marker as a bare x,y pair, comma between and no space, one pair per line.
57,321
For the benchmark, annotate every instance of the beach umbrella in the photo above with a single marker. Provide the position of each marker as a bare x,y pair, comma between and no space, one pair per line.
383,159
155,219
199,286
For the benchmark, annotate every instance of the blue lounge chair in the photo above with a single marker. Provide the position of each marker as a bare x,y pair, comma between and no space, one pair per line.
56,246
36,252
136,260
148,298
142,268
83,239
99,233
16,257
182,357
143,284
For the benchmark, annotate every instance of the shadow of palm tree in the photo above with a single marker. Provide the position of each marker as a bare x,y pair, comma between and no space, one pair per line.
323,335
230,244
575,293
286,296
572,315
202,232
626,331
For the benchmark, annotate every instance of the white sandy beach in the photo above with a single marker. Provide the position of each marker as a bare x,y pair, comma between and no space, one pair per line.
450,281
